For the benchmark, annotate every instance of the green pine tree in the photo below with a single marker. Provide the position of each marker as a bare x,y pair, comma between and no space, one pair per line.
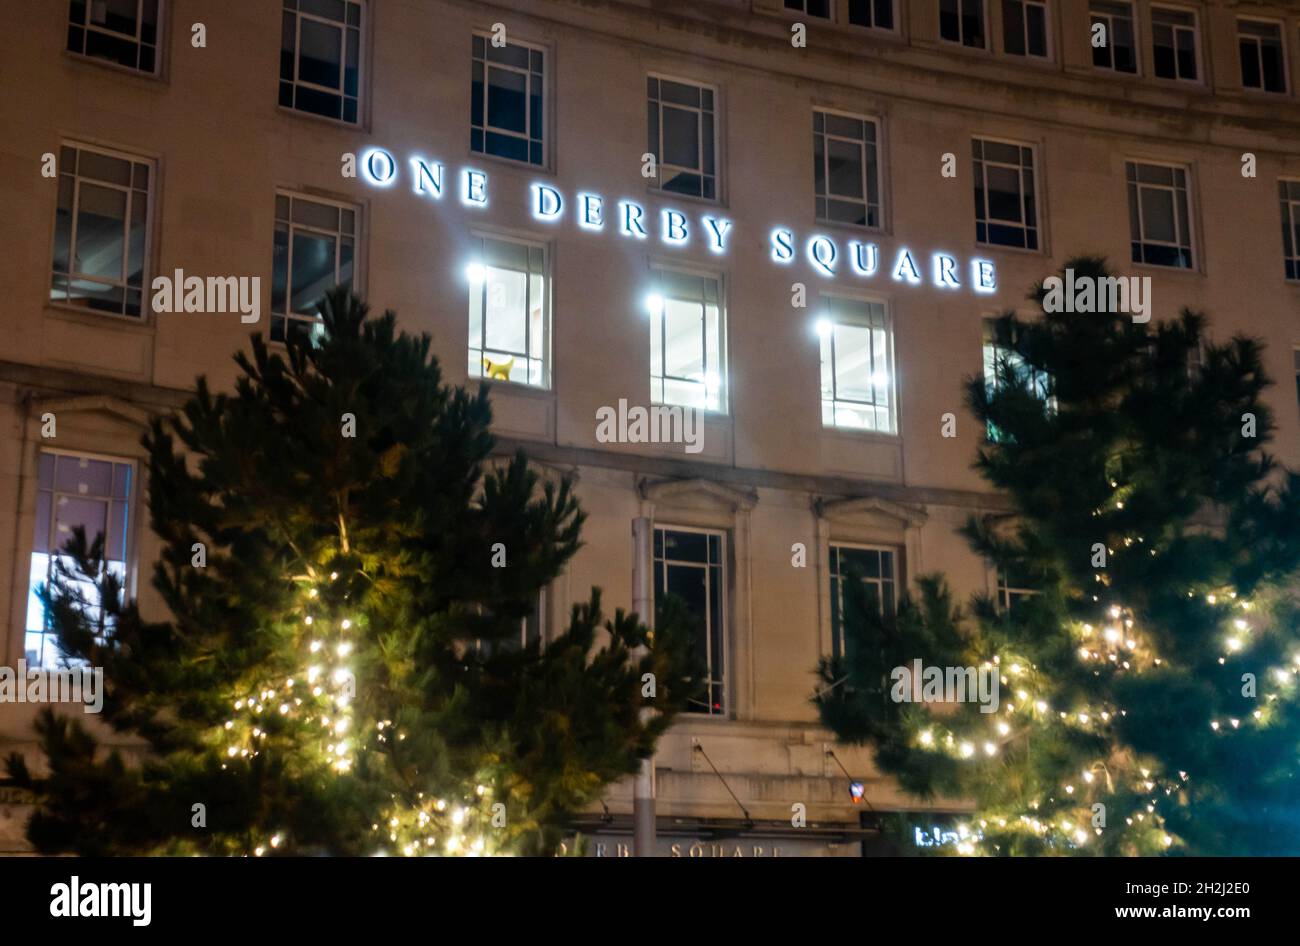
1148,691
342,670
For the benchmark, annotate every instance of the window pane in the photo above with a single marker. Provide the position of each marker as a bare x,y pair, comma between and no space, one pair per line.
320,55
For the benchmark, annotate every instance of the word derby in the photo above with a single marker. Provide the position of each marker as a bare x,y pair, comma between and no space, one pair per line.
632,220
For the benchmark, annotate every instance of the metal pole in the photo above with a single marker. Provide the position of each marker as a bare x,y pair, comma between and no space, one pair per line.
643,790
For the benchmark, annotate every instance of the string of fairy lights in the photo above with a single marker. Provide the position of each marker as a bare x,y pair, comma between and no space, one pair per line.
320,700
1118,647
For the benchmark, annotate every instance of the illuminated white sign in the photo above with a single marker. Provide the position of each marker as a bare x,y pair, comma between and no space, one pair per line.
675,228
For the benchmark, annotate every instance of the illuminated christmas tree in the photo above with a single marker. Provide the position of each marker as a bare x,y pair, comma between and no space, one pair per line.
349,665
1145,633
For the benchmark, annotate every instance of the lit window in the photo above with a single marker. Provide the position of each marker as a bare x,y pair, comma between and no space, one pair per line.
877,569
320,57
1112,45
682,137
689,565
877,14
509,312
1003,365
846,169
1014,588
687,366
818,8
1159,221
1173,43
1024,27
315,250
1006,210
101,228
857,377
507,116
1263,59
1289,193
962,21
124,32
73,491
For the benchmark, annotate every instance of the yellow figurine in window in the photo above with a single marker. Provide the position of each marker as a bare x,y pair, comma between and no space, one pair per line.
498,370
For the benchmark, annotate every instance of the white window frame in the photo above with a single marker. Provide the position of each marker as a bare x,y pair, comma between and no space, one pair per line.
657,376
803,11
288,315
892,387
716,112
1134,29
1047,30
893,15
526,136
1026,226
547,295
866,170
722,682
836,577
362,28
1187,209
1195,28
88,27
1259,52
960,41
1005,591
55,548
147,253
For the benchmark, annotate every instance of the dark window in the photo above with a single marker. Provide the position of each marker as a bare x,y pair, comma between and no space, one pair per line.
689,566
1014,587
1289,193
120,31
682,136
878,14
315,249
1112,36
1263,65
1024,27
1006,213
962,21
101,223
877,569
821,8
1158,215
320,57
1295,358
507,91
1173,43
846,172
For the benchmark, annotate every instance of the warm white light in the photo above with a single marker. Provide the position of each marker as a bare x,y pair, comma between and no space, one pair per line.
654,303
824,327
475,273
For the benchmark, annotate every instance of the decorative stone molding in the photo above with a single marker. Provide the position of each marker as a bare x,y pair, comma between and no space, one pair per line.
718,494
907,514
